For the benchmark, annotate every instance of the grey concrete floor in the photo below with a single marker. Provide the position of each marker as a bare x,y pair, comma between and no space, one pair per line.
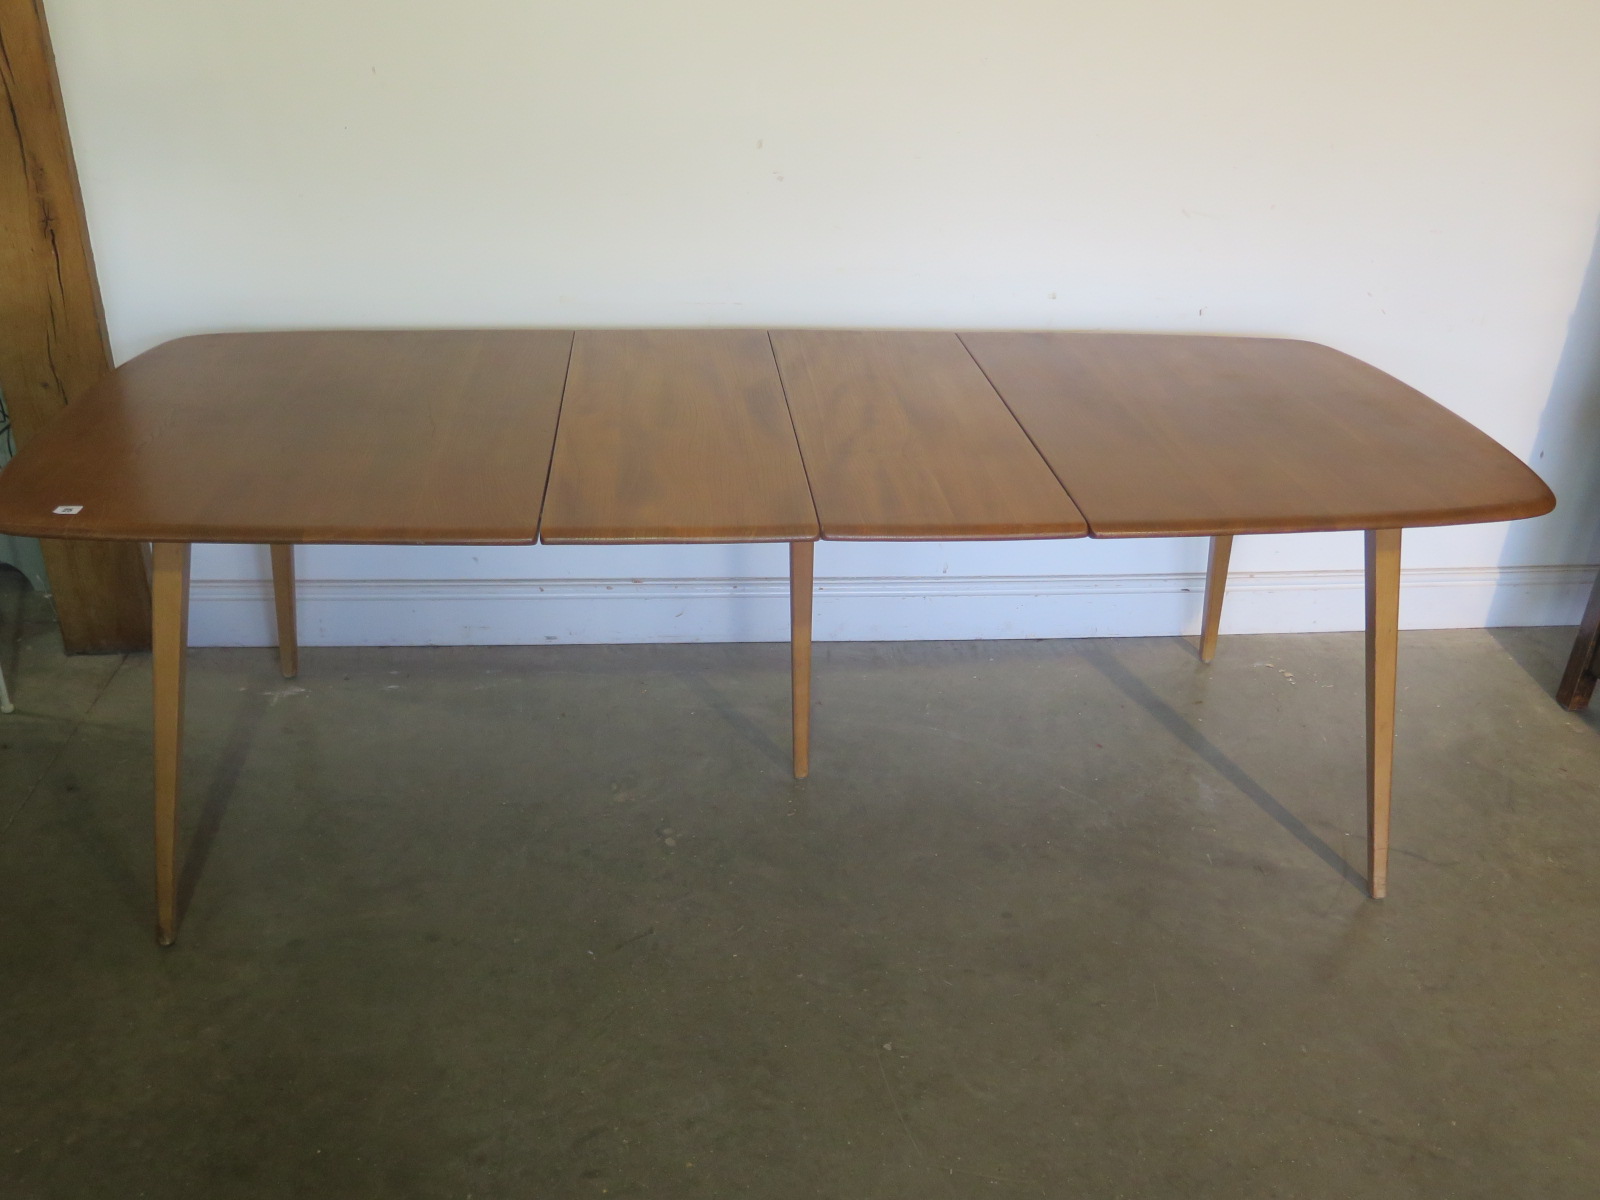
1065,919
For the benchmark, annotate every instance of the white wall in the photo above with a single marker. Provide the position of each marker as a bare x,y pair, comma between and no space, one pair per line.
1412,181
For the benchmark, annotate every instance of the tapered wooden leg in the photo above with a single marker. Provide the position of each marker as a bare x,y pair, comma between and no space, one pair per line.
169,640
801,557
283,599
1216,585
1577,683
1383,640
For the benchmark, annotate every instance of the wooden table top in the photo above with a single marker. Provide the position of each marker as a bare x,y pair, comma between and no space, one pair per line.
356,437
676,436
904,439
1158,434
447,437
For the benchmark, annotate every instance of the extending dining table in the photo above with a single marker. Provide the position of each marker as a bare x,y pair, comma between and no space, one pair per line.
508,437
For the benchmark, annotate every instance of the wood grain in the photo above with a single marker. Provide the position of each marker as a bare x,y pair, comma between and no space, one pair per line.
52,330
904,439
1383,645
675,436
422,436
1156,434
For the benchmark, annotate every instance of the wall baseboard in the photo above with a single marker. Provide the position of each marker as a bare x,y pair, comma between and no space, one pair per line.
376,612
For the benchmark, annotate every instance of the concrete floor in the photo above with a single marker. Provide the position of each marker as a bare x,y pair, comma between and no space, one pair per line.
1063,919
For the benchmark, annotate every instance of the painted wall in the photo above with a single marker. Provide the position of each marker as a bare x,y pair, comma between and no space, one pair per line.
1412,181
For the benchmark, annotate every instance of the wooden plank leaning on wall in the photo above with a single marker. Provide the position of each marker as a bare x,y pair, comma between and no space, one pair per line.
52,328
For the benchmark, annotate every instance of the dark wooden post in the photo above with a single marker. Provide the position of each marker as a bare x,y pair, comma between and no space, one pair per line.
1577,685
52,329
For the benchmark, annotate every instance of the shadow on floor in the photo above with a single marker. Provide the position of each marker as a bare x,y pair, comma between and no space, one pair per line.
219,794
1543,654
1097,655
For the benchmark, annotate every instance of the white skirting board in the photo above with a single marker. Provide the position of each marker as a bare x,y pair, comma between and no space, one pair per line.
534,612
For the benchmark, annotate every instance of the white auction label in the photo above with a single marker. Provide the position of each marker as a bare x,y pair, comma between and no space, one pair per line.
68,510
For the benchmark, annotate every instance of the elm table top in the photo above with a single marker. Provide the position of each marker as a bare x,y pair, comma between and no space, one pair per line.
1165,434
447,437
904,439
676,436
420,436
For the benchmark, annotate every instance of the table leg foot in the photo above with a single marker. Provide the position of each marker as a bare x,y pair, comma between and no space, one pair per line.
283,603
169,641
1216,586
1383,639
801,559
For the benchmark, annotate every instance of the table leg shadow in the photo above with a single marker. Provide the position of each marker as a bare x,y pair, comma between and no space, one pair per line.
219,795
1382,570
1131,686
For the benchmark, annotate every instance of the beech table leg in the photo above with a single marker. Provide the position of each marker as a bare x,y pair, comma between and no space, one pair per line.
283,600
801,557
1383,639
1577,683
169,640
1216,585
